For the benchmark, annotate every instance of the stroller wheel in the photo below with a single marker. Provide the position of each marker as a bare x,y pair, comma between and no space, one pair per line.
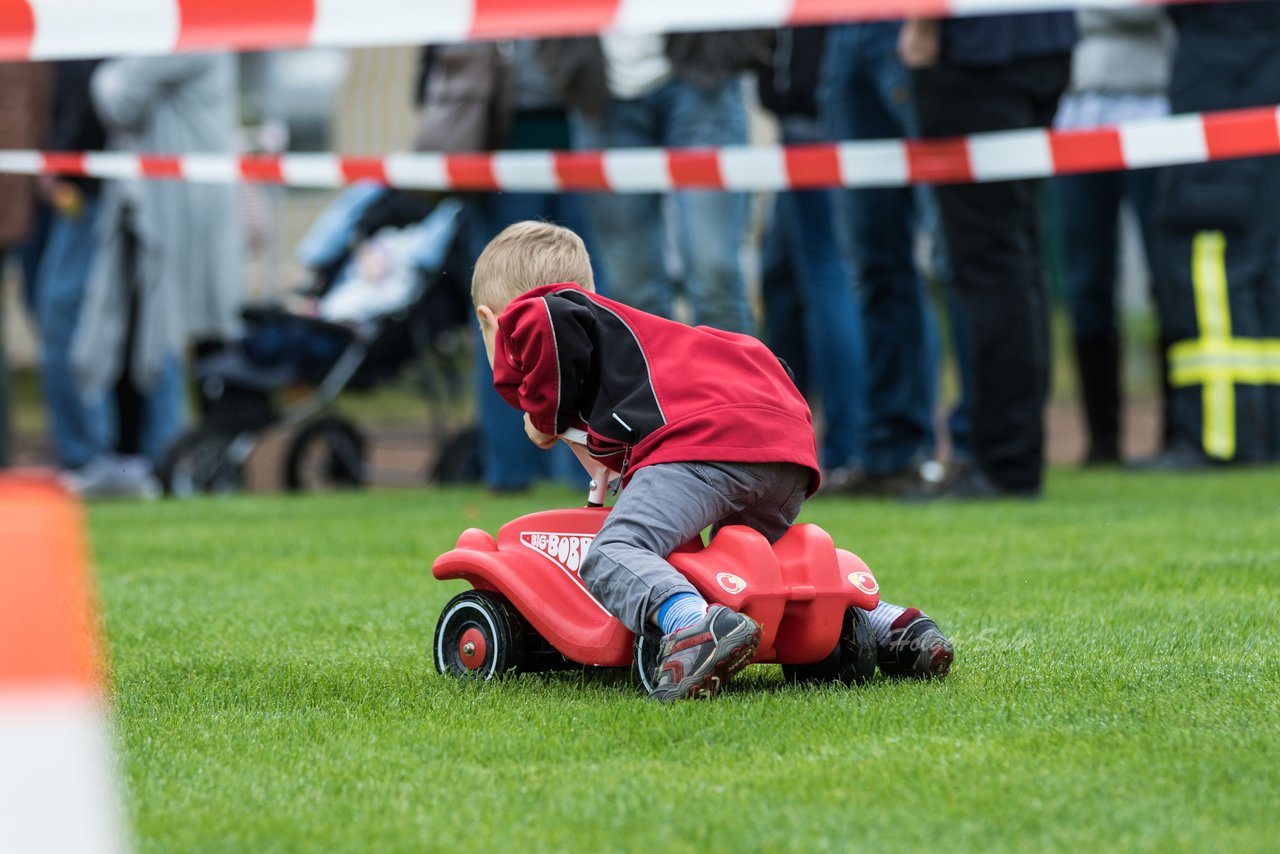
459,460
326,454
852,662
200,463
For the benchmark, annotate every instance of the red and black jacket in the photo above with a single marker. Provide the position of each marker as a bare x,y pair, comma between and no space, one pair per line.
648,390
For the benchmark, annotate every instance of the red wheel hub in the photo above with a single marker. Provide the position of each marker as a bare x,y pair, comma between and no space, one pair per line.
472,650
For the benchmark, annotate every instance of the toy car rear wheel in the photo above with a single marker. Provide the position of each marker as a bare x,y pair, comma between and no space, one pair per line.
479,636
644,661
326,454
853,661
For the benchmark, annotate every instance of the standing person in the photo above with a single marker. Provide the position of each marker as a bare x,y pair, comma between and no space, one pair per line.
984,74
629,90
78,426
865,93
24,114
514,108
809,290
1218,247
1119,72
168,267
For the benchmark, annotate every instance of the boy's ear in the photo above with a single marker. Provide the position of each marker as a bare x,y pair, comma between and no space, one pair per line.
488,320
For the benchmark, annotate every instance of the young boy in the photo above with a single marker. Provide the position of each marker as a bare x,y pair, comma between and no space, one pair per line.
706,428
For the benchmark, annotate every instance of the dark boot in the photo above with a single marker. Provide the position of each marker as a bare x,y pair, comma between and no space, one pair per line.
1098,362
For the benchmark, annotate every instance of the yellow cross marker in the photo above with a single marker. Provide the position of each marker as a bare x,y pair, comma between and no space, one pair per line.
1216,361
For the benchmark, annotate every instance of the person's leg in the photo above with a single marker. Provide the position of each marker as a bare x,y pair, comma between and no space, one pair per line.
507,458
1213,264
662,507
1217,246
570,210
32,252
994,270
78,426
1089,207
668,504
872,100
832,325
627,227
509,461
1140,192
908,642
960,419
710,226
782,300
1269,329
128,399
163,410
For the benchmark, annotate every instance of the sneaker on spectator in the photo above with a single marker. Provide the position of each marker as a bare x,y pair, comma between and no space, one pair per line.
114,477
967,483
696,661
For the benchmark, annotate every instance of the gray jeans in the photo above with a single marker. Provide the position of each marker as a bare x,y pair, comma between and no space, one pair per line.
668,504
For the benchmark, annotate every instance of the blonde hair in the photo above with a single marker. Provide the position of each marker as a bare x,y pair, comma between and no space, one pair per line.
525,256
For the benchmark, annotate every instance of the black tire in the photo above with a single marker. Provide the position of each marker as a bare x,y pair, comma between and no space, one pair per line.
199,463
644,660
326,454
459,460
479,636
853,661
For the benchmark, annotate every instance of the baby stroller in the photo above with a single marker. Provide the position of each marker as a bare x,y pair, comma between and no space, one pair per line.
399,297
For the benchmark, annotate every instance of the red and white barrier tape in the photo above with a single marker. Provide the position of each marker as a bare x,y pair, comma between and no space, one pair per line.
1000,156
63,29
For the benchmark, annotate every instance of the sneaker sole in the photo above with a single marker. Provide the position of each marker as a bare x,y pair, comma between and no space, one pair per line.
940,661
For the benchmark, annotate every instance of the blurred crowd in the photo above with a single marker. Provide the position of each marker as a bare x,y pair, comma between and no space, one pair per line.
865,293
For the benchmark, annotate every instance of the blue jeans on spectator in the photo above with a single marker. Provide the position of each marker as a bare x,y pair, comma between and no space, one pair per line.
782,302
509,460
865,93
709,226
32,251
79,428
820,318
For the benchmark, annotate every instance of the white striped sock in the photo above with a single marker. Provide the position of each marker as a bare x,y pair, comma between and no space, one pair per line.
684,609
882,619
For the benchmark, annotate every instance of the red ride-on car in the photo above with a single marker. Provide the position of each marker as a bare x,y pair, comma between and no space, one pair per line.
530,610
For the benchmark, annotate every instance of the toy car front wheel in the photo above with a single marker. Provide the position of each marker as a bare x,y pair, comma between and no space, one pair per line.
478,636
644,662
852,662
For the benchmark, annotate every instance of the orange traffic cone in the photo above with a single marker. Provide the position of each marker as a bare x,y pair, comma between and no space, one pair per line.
58,789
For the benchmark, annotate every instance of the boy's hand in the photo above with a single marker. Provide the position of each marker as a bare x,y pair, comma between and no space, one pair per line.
542,440
920,43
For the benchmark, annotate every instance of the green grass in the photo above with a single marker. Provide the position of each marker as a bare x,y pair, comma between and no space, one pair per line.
1115,687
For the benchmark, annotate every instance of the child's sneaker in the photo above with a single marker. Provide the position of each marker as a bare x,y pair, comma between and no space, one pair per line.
915,648
696,660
